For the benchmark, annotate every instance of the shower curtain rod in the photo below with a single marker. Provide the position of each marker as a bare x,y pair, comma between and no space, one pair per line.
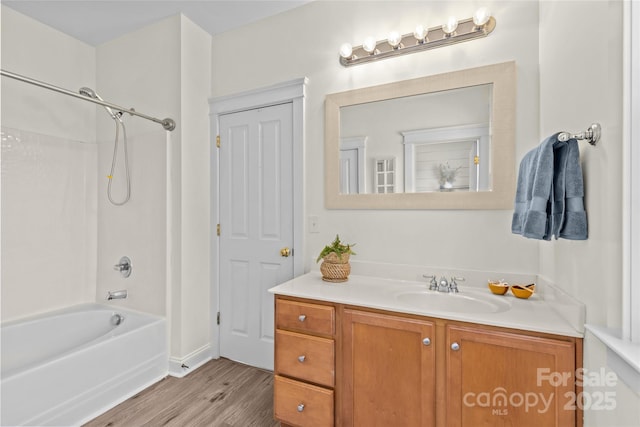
167,124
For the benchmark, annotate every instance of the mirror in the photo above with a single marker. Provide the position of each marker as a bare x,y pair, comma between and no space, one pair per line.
436,142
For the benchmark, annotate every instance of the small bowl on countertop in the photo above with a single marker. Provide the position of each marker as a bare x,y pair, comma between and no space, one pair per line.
498,288
523,291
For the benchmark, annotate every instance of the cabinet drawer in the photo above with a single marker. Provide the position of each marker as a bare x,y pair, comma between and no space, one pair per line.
304,317
301,404
305,357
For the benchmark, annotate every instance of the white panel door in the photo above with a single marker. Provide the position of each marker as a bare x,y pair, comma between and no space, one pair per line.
256,223
349,171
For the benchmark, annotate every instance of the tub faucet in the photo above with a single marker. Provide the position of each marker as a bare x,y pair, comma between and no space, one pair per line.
122,294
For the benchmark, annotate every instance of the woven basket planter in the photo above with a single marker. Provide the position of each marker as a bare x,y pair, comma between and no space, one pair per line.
335,269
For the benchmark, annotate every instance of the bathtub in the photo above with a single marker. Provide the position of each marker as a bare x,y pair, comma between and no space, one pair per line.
67,367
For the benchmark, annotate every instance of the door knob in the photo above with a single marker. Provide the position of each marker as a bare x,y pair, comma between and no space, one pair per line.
455,346
285,252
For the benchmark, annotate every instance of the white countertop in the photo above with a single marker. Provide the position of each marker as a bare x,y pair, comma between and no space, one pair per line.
533,314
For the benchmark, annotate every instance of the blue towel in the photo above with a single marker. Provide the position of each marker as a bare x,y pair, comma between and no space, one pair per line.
550,192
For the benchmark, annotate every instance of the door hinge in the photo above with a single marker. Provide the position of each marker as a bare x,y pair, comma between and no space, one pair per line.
218,141
476,160
218,229
218,318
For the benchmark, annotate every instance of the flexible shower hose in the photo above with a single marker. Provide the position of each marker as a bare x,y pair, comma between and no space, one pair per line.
119,122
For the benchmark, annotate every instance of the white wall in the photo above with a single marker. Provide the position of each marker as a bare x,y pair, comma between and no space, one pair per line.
300,43
195,79
572,96
48,177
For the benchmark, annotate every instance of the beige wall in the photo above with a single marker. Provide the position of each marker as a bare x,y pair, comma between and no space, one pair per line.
300,43
572,96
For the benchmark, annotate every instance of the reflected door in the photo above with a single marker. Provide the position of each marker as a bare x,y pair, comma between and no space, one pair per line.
256,224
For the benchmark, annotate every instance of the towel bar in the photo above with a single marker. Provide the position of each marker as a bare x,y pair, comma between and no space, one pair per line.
592,135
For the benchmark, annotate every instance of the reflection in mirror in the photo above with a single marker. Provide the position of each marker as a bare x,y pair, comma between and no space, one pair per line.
438,142
430,142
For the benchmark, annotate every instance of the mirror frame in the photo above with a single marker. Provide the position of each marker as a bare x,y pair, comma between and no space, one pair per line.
503,117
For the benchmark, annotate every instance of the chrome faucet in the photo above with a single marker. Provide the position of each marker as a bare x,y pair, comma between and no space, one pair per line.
453,285
433,284
443,285
122,294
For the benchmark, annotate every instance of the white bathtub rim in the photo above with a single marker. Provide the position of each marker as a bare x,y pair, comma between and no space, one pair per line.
76,308
109,390
98,341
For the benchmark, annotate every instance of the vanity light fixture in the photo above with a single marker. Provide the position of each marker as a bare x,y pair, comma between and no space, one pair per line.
369,46
450,27
422,38
420,34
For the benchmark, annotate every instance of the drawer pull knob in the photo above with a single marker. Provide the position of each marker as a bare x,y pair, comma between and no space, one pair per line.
426,341
302,317
455,346
301,358
301,407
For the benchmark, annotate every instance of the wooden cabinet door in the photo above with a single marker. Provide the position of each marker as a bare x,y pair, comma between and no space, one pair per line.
388,371
505,379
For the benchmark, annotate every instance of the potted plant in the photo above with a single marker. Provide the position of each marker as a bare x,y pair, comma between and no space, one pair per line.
335,265
447,175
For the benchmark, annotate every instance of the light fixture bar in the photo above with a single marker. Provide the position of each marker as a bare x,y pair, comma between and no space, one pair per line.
436,37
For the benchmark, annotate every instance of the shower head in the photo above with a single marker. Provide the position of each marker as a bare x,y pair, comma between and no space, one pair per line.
88,92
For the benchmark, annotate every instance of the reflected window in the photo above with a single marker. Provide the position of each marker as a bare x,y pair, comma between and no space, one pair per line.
385,181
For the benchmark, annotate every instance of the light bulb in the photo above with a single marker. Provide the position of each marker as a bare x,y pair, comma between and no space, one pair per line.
451,25
369,45
346,51
394,39
481,17
420,33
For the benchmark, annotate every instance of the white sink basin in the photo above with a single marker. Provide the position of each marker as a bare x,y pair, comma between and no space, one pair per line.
463,302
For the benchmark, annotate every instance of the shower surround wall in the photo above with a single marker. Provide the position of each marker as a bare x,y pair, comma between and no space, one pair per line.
48,176
162,70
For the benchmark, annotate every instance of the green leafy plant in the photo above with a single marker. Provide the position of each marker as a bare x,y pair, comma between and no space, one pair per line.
338,248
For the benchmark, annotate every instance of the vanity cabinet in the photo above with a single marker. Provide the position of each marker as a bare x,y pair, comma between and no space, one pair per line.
381,368
304,364
388,370
497,378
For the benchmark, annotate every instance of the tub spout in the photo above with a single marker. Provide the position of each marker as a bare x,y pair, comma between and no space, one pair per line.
122,294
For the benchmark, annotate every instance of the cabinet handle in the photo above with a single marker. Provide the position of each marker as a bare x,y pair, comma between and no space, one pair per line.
426,341
455,346
301,407
302,317
301,358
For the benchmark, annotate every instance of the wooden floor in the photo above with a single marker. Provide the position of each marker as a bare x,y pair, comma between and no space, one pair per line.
220,393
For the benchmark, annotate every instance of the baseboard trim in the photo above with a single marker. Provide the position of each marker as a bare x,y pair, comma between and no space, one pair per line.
181,367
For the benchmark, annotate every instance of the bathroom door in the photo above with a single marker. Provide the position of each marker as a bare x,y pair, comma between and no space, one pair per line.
256,227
